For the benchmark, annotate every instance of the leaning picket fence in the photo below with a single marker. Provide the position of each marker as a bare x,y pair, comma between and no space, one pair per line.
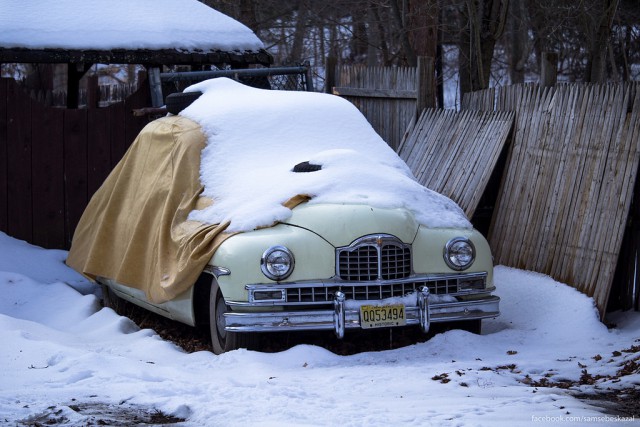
564,202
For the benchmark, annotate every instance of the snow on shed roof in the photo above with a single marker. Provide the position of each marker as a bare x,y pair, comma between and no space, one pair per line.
185,25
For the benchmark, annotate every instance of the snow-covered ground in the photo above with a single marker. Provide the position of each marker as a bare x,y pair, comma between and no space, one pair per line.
62,354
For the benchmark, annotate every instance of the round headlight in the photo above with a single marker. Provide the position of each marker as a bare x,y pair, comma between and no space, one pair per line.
459,253
277,263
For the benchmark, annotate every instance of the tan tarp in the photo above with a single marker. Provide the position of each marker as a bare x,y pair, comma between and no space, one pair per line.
135,228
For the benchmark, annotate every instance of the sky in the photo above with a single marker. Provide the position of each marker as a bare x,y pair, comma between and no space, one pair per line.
67,359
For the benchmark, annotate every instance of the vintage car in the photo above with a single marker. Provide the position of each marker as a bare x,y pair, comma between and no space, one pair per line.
262,211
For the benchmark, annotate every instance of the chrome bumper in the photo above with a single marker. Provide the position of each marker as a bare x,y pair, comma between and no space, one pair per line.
423,313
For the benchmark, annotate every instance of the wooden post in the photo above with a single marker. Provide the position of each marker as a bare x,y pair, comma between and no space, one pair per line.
426,95
549,69
142,76
93,92
75,71
73,86
330,74
155,84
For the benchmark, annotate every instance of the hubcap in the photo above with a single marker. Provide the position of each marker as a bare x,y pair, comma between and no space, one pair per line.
221,308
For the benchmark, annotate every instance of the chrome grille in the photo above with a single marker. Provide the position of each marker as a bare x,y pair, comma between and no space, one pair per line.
358,265
375,257
438,285
395,262
319,293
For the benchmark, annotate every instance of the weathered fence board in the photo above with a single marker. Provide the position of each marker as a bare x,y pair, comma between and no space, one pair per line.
47,150
454,153
99,151
54,159
19,180
123,136
387,97
76,194
565,199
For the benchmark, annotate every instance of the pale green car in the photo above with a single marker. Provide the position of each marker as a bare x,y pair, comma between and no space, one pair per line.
338,267
368,247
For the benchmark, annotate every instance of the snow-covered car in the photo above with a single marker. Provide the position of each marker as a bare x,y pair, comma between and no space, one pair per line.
261,211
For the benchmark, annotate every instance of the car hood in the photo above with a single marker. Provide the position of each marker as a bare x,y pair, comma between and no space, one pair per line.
341,224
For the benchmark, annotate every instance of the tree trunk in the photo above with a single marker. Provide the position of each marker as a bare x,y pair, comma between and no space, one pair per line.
248,14
295,55
380,33
598,56
483,22
407,49
518,41
423,27
439,64
360,38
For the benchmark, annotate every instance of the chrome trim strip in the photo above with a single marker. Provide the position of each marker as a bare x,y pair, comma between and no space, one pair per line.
326,319
217,271
338,315
272,301
423,306
336,284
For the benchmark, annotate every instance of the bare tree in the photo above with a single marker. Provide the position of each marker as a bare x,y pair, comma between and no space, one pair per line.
599,48
519,47
595,40
483,22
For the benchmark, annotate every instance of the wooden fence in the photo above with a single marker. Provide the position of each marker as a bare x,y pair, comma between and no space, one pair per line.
455,153
52,160
391,98
564,202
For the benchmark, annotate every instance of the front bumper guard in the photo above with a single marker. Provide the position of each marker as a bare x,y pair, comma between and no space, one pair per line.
340,318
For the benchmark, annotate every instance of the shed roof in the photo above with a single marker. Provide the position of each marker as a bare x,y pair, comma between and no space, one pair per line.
123,31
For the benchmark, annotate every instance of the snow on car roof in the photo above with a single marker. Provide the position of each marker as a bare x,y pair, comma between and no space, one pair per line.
121,24
255,137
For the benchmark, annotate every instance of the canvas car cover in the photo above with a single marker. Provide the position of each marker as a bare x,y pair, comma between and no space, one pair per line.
135,228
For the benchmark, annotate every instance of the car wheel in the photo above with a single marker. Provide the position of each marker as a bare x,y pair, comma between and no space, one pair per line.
221,340
111,300
177,102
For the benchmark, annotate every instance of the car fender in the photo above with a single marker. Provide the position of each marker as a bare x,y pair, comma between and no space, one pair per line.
236,262
428,251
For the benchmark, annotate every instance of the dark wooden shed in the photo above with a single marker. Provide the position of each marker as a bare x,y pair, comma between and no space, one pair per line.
53,159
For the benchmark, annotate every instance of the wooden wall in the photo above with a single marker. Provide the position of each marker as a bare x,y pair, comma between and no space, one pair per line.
52,160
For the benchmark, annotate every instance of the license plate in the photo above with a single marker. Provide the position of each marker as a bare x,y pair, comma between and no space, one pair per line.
384,316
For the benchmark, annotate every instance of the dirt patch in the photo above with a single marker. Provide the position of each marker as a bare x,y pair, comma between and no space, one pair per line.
623,403
99,414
